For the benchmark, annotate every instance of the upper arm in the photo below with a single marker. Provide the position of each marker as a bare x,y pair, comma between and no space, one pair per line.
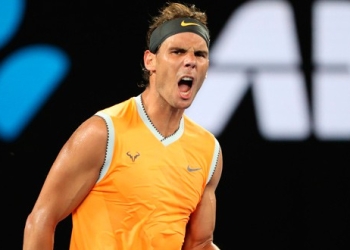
200,228
73,173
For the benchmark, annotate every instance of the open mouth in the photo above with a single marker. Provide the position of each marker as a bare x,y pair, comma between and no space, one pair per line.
185,84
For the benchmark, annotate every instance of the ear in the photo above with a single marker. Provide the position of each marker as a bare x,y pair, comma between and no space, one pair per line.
149,60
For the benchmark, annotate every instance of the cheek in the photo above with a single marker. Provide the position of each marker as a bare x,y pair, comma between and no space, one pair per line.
164,64
200,84
203,65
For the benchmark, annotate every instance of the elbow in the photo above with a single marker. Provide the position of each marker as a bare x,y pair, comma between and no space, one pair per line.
39,221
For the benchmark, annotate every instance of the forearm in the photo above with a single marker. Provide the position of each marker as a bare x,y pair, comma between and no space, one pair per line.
38,237
34,241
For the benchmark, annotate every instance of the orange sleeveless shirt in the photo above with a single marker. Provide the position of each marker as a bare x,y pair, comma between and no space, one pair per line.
148,186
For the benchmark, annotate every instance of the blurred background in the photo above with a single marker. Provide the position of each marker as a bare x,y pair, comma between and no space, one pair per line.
277,97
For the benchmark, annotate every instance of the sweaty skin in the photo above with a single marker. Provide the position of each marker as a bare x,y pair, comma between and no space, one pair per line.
76,169
181,55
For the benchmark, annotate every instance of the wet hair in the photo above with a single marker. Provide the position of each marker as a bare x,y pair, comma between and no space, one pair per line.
169,14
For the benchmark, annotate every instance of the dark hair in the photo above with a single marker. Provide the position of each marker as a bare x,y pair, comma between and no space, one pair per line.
170,11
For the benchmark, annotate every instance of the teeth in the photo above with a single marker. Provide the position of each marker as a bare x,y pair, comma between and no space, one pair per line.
187,78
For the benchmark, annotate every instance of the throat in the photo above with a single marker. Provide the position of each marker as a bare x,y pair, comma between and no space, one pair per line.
164,132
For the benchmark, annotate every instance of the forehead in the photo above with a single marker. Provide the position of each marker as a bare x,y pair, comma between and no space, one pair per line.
185,40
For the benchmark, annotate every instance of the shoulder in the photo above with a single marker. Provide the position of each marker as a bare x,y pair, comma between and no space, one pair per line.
200,134
192,125
119,108
92,129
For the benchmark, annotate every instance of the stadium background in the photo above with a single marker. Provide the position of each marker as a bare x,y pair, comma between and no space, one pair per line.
274,194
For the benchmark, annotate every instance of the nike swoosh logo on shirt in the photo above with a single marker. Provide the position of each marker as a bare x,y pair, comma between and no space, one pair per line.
192,169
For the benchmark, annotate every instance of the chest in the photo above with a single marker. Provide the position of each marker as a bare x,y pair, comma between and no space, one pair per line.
172,175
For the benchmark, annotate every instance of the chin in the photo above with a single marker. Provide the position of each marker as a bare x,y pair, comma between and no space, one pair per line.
184,104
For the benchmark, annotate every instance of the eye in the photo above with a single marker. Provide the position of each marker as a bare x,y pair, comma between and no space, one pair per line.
178,51
201,54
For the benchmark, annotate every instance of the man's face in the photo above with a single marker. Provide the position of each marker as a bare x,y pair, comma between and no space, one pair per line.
181,65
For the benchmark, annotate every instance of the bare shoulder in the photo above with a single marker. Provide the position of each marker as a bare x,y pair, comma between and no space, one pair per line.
94,127
87,145
91,133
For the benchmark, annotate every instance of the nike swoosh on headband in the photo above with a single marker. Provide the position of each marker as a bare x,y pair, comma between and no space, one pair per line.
184,24
175,26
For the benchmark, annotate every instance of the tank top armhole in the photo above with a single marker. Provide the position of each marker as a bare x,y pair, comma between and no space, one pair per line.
109,146
214,160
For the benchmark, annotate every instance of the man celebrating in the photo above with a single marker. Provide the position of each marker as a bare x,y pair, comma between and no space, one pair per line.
140,175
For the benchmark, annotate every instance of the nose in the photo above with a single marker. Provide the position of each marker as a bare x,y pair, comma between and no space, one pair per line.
190,60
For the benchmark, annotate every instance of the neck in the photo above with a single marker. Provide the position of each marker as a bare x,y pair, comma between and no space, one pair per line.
165,119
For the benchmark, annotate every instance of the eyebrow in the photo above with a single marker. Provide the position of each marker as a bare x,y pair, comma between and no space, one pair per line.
184,49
